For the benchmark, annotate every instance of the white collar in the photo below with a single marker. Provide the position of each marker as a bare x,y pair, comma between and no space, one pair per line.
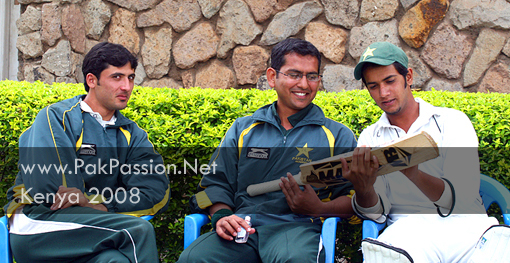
86,108
426,111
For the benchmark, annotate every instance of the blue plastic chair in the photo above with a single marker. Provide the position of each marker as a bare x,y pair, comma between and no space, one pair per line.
5,249
194,222
491,192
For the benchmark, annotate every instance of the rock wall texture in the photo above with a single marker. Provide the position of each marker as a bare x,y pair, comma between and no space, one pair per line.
456,45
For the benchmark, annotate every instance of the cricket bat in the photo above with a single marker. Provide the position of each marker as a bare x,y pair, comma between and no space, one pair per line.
393,156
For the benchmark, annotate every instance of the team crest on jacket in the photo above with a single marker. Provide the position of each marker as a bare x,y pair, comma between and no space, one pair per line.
303,155
258,153
88,149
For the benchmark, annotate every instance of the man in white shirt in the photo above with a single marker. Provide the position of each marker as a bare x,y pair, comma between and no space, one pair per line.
433,210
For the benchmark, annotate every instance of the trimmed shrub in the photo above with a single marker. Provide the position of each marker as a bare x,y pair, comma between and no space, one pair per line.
187,125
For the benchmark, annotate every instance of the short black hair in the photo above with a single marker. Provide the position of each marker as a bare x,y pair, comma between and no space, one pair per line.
102,56
293,45
401,69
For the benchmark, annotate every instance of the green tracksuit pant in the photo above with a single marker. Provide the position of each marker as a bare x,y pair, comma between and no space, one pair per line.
80,234
286,242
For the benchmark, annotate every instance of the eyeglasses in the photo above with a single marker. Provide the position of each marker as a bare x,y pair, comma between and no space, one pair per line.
312,77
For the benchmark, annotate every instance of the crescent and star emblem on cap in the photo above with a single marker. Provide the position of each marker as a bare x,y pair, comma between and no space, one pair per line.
368,52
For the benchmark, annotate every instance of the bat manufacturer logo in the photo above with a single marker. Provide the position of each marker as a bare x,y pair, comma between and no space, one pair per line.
397,157
258,153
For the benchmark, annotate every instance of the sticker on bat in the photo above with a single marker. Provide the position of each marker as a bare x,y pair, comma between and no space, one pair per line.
397,157
328,172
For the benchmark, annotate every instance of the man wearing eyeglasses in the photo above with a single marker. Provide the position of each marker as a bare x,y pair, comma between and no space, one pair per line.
272,144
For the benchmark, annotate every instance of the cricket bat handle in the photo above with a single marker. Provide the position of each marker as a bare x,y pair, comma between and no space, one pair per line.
270,186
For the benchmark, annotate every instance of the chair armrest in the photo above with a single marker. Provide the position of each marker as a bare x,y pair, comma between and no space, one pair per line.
329,236
147,217
371,229
192,225
498,193
506,219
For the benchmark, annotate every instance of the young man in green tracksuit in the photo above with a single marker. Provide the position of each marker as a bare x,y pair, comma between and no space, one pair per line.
85,170
268,145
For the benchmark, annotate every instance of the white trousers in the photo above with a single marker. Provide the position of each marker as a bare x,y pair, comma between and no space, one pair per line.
431,238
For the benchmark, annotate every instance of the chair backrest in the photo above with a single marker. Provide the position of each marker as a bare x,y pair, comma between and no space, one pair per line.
493,191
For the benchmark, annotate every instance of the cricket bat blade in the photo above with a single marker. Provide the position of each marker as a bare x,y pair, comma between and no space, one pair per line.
393,156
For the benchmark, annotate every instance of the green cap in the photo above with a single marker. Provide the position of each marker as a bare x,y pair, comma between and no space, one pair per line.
381,53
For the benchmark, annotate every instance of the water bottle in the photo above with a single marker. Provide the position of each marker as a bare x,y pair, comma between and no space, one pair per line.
243,235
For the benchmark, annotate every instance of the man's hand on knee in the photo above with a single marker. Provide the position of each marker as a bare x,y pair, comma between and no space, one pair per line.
228,227
69,196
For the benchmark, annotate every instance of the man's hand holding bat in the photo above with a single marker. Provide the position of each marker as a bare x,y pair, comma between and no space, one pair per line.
303,202
306,201
362,173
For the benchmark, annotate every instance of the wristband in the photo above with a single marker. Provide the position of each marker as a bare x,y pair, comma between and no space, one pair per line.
218,215
453,200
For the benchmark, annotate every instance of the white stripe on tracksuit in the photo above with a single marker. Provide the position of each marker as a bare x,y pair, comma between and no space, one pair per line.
20,224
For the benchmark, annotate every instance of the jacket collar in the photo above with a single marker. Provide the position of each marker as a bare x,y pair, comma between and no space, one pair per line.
312,114
121,119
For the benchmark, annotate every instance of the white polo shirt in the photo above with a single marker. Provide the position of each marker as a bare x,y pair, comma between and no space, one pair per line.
86,108
458,162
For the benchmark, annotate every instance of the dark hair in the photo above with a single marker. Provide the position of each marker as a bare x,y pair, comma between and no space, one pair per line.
103,55
293,45
399,67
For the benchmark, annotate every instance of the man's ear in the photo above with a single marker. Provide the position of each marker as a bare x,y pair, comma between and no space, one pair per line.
92,81
271,77
409,77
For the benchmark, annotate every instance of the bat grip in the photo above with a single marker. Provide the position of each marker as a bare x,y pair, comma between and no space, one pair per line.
270,186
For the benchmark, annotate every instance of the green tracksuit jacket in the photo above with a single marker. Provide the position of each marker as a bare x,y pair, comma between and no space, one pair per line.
96,160
258,149
115,165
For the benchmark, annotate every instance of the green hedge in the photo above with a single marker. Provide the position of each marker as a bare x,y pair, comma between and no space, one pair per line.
187,124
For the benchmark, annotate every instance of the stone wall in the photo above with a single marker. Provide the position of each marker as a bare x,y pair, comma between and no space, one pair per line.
458,45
